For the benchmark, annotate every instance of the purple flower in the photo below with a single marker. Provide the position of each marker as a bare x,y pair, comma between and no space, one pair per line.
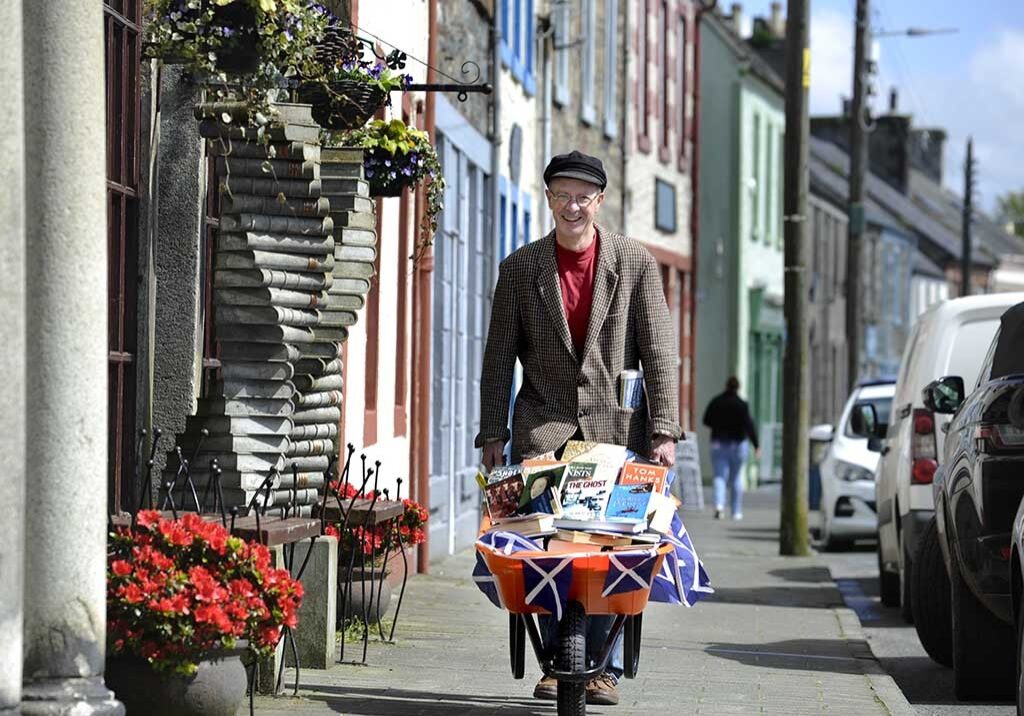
227,31
407,80
407,171
387,162
376,71
369,173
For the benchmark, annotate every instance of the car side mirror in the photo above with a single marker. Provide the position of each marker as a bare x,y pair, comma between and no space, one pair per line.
875,444
864,421
945,395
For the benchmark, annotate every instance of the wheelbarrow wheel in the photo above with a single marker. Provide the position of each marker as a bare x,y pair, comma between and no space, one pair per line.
572,656
517,645
631,646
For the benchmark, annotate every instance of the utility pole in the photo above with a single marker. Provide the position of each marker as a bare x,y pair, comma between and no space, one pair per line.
965,254
858,170
793,534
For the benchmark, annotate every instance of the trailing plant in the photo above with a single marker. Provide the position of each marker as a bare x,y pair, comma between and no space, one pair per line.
180,589
367,545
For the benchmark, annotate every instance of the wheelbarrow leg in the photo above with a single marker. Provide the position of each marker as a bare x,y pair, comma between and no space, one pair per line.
631,646
517,645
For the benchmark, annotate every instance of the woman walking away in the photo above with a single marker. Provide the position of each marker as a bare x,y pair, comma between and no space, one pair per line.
728,416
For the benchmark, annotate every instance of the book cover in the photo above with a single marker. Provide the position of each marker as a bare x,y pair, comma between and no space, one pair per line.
539,478
503,472
527,526
629,502
635,473
503,497
604,454
586,488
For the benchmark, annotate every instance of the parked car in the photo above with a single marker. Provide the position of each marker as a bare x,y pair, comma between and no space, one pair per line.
950,338
1017,597
977,495
847,509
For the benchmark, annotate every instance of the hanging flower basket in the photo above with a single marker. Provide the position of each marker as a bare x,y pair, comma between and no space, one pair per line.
238,53
342,104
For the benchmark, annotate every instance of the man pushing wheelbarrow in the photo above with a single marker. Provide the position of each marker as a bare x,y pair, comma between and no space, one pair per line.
583,310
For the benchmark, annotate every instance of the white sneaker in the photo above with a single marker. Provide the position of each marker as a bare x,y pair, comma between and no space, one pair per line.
737,516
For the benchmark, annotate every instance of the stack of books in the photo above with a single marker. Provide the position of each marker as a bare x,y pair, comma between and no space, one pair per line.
595,493
274,411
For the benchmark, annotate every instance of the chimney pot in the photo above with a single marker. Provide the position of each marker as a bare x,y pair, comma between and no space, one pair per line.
736,16
894,99
778,22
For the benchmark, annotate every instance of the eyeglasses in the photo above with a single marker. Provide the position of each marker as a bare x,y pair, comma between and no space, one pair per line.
582,200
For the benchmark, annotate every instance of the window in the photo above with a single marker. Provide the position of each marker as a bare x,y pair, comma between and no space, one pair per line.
681,97
768,196
611,71
664,206
121,34
517,41
643,108
755,185
589,11
563,46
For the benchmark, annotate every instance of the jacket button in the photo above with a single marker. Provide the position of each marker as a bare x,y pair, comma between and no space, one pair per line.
581,414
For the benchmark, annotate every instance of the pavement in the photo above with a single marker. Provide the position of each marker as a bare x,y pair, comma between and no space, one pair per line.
775,638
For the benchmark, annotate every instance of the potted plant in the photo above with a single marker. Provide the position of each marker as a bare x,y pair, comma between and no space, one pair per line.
365,550
239,48
185,601
345,89
397,156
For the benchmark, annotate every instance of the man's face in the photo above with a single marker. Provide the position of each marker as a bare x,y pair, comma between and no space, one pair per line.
574,205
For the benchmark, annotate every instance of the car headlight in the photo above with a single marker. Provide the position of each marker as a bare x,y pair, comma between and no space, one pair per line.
848,472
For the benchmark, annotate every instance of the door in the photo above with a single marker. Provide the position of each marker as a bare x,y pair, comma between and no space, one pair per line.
463,274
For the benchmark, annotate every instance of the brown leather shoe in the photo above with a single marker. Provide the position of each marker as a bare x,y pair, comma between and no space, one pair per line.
546,689
603,691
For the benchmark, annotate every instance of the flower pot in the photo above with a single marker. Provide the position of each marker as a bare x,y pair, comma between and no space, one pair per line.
346,104
358,602
216,689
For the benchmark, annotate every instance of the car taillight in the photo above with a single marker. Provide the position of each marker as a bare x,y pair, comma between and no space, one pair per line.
923,470
998,437
924,435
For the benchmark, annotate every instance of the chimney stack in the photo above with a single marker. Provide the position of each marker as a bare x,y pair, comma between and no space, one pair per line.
736,16
778,22
894,96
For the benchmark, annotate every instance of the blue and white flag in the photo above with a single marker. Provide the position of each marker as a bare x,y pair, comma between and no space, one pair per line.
629,572
509,542
682,563
485,582
547,581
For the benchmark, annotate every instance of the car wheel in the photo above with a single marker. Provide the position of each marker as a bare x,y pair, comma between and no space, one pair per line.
1020,661
888,584
983,646
929,597
906,571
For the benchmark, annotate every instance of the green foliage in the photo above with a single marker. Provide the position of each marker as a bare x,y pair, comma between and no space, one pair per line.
1010,208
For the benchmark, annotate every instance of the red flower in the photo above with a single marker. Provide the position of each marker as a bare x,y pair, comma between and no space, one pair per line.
213,614
120,568
145,518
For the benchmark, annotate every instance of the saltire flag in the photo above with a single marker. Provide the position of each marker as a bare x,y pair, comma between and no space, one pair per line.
485,582
665,587
509,542
629,572
547,581
692,579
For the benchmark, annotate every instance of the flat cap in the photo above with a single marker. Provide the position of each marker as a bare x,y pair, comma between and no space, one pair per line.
576,165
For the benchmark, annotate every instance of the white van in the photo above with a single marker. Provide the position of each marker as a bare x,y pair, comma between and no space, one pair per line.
950,338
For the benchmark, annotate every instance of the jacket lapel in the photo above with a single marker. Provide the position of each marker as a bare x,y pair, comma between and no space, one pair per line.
605,283
551,292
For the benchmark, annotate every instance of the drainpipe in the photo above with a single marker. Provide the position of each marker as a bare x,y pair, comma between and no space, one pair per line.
421,285
695,213
496,125
627,138
547,42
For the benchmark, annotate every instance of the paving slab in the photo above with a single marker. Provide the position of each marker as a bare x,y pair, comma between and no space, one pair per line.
776,638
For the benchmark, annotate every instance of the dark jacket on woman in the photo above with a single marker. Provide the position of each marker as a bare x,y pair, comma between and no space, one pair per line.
728,416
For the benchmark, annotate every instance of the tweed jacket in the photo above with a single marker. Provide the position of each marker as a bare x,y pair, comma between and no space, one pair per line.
629,326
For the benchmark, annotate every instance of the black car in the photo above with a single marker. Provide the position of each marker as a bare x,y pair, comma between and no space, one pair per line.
977,493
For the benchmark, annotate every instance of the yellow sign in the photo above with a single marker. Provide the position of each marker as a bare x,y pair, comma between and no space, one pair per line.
807,68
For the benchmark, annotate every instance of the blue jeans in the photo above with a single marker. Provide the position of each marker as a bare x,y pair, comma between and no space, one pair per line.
598,628
727,458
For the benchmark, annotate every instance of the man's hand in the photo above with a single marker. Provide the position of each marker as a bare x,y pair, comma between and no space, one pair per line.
663,450
493,454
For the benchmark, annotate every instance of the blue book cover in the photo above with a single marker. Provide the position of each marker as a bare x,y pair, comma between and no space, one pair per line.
629,503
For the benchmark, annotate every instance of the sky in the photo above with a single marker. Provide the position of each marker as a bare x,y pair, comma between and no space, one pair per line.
970,83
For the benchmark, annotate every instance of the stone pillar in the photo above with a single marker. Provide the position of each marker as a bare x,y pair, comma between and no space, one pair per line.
12,359
66,361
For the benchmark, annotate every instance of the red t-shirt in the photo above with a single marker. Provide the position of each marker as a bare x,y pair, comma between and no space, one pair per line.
576,279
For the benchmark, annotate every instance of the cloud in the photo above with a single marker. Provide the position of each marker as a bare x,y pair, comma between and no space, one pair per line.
831,60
